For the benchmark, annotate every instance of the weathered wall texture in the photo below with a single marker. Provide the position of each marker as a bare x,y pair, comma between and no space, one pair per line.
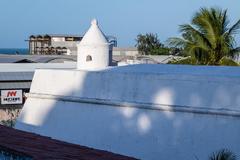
145,111
9,115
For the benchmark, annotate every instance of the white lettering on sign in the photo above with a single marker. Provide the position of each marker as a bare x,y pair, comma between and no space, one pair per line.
11,97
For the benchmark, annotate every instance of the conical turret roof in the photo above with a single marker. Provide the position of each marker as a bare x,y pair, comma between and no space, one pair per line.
94,35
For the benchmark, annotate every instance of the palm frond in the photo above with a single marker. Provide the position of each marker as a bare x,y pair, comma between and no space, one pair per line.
203,20
223,154
228,62
190,30
197,52
235,28
235,53
225,22
176,42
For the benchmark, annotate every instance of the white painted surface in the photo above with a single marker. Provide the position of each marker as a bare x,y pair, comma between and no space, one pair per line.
58,39
125,51
208,87
146,111
95,45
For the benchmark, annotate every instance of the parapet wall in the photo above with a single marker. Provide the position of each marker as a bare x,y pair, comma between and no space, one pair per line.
173,89
145,111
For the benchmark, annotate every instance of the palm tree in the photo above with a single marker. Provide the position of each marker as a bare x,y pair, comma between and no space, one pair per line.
223,154
209,39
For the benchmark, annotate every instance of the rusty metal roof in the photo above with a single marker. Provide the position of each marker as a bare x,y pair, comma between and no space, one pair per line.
45,148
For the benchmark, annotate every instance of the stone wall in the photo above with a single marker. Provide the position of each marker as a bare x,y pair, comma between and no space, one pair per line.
8,116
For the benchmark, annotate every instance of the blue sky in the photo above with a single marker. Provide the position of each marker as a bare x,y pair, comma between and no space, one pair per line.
123,18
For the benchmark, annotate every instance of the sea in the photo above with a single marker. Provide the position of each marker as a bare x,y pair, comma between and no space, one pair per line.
21,51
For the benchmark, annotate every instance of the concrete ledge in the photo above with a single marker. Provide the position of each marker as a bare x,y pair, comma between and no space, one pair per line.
165,85
148,106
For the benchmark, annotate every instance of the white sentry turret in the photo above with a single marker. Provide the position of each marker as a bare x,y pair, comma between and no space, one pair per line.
93,50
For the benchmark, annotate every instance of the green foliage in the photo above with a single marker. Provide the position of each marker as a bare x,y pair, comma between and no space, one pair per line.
149,44
160,51
208,38
223,154
227,62
12,117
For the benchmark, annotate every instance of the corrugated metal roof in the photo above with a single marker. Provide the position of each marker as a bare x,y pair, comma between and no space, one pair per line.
24,71
34,58
63,35
125,49
49,59
31,67
15,85
55,35
10,59
16,76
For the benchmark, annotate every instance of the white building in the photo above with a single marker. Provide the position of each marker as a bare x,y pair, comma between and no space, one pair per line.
146,111
58,44
125,51
51,44
94,49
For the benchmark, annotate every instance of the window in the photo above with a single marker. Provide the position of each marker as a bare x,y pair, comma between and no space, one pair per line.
89,58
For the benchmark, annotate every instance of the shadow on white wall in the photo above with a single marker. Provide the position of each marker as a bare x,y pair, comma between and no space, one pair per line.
146,133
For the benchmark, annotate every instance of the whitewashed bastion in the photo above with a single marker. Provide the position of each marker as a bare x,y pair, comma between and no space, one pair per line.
150,112
93,50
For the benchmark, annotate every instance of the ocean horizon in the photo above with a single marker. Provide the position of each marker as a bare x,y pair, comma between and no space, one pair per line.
21,51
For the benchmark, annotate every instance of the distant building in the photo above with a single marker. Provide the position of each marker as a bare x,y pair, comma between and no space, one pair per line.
127,51
53,44
58,44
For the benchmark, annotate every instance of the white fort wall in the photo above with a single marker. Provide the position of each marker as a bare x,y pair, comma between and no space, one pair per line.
146,111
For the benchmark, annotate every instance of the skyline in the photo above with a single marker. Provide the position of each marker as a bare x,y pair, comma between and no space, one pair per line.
123,19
